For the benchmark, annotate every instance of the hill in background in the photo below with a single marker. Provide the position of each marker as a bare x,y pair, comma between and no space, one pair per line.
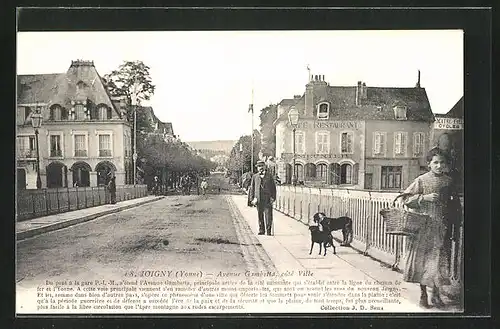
213,147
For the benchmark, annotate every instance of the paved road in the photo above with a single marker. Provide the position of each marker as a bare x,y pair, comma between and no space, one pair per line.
190,233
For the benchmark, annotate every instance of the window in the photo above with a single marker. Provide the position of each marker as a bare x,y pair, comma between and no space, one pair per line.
346,142
104,145
79,112
322,142
104,113
346,174
27,112
323,111
26,146
399,143
379,144
80,146
299,142
400,112
55,146
299,171
418,144
321,171
391,177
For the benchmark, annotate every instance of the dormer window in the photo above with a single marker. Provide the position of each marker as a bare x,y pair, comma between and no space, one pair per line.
323,111
57,113
104,112
400,112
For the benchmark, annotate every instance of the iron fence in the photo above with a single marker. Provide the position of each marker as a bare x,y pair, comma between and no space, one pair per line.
44,202
363,207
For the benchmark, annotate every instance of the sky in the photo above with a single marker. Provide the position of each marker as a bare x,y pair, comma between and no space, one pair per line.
204,80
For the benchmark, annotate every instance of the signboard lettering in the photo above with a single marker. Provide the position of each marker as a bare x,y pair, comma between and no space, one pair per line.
449,123
328,125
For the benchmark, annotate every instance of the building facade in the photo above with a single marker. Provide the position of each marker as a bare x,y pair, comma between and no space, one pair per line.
84,137
447,133
356,137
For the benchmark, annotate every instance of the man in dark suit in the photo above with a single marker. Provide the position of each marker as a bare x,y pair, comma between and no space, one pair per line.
262,192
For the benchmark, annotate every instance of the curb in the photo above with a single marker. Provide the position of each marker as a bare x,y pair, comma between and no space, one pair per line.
70,222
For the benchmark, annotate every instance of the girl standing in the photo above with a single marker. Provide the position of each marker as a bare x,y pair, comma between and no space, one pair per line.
427,255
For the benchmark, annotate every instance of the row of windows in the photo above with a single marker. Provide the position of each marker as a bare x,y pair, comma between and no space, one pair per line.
80,145
337,174
347,141
78,113
27,147
323,111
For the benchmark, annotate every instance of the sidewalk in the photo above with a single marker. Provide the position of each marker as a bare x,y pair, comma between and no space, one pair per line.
289,250
29,228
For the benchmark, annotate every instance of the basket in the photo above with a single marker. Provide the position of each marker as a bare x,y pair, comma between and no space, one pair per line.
400,221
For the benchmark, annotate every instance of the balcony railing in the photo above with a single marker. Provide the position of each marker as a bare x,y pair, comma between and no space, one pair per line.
104,153
26,154
80,153
56,153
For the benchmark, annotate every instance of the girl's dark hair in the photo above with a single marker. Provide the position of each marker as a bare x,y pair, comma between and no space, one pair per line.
437,151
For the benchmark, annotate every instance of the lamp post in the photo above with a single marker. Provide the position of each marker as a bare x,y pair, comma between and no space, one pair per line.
36,122
293,119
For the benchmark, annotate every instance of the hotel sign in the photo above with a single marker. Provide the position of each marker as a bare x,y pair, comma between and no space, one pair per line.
449,124
329,125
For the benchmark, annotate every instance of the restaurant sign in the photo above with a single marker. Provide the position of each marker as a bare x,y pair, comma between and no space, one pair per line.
329,124
449,123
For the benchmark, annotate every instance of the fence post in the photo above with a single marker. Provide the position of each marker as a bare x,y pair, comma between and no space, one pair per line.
319,199
85,192
77,203
368,225
99,194
92,191
33,200
69,201
47,203
57,193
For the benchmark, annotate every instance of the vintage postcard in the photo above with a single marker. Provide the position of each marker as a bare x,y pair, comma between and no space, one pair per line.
174,172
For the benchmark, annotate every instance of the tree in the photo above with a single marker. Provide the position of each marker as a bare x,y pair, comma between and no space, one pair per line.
239,160
267,117
131,79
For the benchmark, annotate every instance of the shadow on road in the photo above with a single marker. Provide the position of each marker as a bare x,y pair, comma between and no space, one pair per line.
225,241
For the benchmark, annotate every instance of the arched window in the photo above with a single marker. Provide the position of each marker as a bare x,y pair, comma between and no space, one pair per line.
79,112
346,174
58,113
104,112
321,170
323,111
299,170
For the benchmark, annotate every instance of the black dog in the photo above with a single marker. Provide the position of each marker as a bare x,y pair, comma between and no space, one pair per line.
343,223
321,237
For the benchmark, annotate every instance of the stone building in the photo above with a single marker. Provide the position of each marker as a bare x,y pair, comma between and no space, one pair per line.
357,137
84,135
448,133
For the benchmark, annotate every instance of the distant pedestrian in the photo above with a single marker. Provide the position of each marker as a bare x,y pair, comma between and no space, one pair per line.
262,194
156,185
112,189
204,186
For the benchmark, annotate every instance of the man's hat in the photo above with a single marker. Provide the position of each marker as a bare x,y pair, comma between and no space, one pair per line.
260,163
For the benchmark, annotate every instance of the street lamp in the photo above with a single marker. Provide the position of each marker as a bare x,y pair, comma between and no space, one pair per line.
36,122
293,119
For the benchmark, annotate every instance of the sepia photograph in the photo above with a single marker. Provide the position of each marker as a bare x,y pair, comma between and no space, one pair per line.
235,172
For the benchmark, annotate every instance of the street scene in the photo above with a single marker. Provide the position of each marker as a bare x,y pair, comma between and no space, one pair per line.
240,182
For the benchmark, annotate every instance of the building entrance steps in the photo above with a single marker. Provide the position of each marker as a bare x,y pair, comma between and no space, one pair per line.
29,228
289,251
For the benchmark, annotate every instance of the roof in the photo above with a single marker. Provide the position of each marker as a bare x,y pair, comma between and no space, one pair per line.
378,104
61,88
150,114
457,111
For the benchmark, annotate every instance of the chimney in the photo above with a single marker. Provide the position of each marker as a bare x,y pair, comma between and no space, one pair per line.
418,80
309,99
358,93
